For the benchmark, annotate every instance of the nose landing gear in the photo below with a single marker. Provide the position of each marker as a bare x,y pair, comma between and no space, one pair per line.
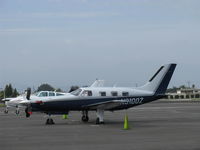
28,112
6,110
17,110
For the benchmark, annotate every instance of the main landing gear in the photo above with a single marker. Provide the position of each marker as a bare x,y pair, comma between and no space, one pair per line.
49,121
28,112
100,115
85,117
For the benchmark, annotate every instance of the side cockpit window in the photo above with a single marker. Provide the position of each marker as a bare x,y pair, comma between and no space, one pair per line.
86,93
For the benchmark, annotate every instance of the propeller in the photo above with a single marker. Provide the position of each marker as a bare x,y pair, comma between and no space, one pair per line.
28,107
28,93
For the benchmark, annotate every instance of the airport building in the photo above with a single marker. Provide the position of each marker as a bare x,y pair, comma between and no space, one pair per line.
185,93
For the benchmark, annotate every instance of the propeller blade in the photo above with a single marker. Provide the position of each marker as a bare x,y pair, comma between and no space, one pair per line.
28,93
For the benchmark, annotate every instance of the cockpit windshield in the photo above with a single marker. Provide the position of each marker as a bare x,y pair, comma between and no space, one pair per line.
76,92
43,94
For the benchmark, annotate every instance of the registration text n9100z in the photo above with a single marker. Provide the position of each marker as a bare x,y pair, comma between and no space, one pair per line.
132,101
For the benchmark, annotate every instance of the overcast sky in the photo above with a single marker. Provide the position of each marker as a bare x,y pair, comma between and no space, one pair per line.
73,42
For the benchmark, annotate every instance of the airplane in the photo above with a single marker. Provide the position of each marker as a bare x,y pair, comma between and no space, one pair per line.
99,98
14,102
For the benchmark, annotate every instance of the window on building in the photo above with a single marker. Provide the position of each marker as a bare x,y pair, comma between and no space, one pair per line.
192,96
102,93
176,96
197,96
125,94
114,93
187,96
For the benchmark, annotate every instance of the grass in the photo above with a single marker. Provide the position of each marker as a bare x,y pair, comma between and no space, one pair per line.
2,105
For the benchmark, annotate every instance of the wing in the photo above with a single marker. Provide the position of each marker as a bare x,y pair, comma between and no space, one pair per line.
6,99
105,105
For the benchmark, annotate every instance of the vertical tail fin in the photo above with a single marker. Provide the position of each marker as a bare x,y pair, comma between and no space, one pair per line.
160,81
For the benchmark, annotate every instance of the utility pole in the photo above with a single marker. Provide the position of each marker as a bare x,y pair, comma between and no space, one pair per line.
188,82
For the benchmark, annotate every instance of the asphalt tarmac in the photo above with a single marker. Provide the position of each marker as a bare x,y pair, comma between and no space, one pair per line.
154,126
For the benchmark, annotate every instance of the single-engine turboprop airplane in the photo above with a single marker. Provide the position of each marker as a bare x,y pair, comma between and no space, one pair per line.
100,99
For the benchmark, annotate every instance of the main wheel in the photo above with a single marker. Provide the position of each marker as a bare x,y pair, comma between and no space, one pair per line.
47,121
50,121
97,121
85,118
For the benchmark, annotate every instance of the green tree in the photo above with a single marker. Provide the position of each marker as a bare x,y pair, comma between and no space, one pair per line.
182,87
8,90
73,88
15,93
1,94
59,90
45,87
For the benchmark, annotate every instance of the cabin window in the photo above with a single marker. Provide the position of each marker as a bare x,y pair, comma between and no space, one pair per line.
51,94
125,94
59,94
87,93
102,93
114,93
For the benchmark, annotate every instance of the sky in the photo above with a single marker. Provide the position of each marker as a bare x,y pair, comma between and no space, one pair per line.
74,42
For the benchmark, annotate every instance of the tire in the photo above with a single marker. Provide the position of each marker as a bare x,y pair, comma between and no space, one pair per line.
27,115
85,118
47,122
17,112
5,111
97,121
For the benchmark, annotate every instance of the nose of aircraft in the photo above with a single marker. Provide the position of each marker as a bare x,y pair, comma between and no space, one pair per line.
24,102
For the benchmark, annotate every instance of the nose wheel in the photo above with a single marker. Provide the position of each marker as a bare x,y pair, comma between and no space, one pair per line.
85,117
6,110
27,111
17,111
